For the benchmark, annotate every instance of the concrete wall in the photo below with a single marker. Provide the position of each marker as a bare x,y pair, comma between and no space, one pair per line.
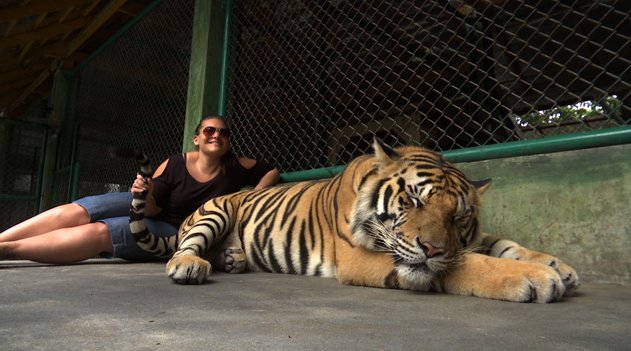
575,205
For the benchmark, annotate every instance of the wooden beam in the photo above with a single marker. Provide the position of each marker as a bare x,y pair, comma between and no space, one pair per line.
10,28
15,85
107,12
11,62
5,100
65,14
90,8
19,73
36,25
25,49
97,22
132,9
24,11
45,32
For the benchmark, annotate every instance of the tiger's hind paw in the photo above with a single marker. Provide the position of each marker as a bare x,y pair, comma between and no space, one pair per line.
232,260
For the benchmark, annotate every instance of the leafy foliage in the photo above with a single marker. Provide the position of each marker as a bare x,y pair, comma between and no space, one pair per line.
578,111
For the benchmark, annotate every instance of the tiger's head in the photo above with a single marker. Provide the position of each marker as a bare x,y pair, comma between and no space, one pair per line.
417,207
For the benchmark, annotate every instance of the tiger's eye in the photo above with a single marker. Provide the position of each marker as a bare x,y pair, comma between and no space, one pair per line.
417,203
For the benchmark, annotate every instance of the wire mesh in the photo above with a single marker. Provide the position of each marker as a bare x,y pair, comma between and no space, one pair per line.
133,94
312,82
20,155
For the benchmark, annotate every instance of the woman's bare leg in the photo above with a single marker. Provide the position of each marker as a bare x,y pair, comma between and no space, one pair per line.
60,246
64,216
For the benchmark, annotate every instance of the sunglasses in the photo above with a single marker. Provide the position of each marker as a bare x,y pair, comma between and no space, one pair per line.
210,131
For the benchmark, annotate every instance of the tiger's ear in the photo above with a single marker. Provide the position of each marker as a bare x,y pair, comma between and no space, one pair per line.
385,154
481,185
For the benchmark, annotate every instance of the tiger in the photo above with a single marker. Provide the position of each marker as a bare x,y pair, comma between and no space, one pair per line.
402,218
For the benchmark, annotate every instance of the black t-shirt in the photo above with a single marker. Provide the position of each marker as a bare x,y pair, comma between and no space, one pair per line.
178,194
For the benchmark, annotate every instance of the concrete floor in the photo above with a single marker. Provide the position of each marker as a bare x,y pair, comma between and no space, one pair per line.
113,305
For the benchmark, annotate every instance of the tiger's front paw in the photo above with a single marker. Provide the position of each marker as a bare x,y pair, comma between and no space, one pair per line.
188,270
504,279
538,283
568,274
569,277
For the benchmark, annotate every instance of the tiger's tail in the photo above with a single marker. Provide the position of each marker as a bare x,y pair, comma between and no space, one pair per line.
158,246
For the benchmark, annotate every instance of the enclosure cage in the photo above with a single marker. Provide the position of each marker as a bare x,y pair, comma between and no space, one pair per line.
311,83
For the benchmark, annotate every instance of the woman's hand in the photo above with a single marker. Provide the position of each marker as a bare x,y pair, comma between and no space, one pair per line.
141,184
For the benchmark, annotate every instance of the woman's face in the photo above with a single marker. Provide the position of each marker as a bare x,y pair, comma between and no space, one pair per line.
212,137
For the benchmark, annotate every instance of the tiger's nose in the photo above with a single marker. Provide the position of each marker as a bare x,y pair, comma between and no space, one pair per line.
429,250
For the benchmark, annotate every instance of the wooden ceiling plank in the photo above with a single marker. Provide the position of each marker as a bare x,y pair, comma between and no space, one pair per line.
39,20
10,28
25,49
19,73
65,14
49,31
29,45
90,8
11,62
5,100
132,9
15,85
25,93
109,10
28,10
61,19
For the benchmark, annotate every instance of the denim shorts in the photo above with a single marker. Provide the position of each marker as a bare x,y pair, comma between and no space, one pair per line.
113,210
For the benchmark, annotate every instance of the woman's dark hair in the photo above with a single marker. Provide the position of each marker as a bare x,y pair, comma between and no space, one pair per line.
229,159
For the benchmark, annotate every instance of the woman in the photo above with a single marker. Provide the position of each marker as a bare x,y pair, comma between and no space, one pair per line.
99,225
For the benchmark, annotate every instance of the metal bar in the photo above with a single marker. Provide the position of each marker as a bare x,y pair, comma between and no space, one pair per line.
225,59
576,141
73,188
73,184
40,173
311,174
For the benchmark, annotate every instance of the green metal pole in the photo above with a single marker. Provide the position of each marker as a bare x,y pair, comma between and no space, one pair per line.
576,141
311,174
225,59
205,67
40,173
73,189
74,166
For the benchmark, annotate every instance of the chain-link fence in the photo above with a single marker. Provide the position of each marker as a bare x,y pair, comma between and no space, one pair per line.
22,150
132,94
311,82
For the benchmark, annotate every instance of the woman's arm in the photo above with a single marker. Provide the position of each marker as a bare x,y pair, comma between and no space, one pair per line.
141,184
270,178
